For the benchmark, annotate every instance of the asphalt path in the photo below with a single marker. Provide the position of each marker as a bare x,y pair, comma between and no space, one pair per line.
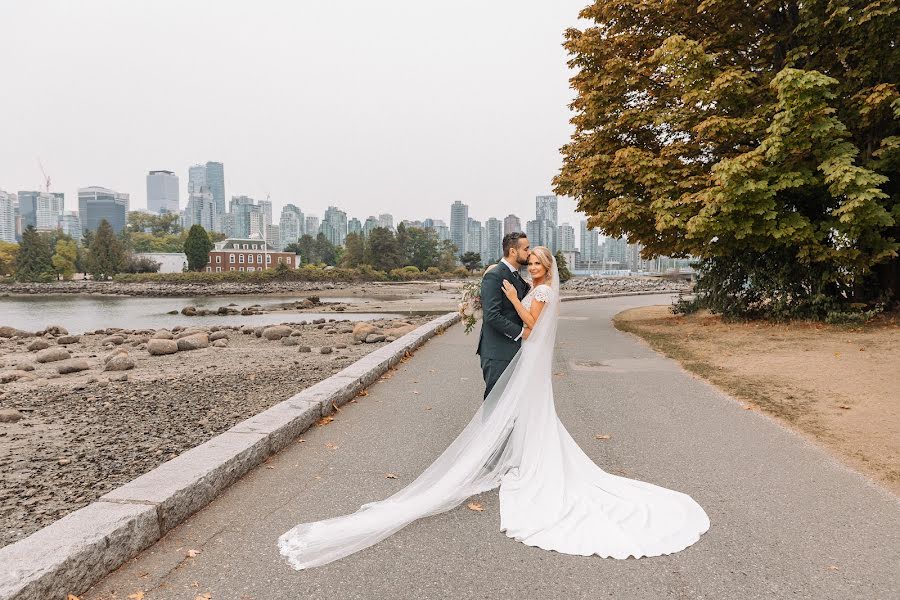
788,520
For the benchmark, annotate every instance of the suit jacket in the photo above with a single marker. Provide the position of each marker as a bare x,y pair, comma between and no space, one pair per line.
502,323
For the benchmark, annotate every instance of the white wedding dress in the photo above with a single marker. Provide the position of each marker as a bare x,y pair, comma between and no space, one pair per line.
552,495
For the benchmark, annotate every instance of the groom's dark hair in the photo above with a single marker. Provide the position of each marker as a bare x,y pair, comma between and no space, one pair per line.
511,240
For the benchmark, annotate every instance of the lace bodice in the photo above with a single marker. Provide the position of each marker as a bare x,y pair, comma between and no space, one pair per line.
542,293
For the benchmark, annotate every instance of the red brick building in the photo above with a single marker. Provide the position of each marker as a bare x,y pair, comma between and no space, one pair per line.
248,255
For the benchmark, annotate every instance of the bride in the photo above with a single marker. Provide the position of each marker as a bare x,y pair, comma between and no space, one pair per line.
552,495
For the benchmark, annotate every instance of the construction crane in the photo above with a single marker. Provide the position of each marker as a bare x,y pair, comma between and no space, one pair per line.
46,177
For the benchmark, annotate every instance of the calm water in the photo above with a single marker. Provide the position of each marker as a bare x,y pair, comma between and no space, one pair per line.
87,313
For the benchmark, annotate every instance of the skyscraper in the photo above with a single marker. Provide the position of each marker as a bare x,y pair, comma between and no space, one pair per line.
370,224
459,225
215,180
545,209
196,177
312,226
266,207
334,225
566,237
246,218
70,224
292,224
541,233
97,203
41,210
354,226
590,250
511,224
273,237
162,192
7,217
493,240
473,236
200,209
386,220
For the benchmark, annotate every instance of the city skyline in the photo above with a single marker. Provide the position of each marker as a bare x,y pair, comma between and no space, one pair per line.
379,121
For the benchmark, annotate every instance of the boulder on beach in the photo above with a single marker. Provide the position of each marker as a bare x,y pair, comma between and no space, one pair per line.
161,346
10,415
290,341
14,375
52,355
220,343
73,365
38,344
304,349
189,331
374,338
68,339
120,362
56,330
189,311
276,332
115,340
325,350
193,342
218,335
8,332
363,330
116,352
163,334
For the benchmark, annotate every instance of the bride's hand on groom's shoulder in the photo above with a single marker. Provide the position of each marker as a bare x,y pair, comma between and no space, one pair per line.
510,291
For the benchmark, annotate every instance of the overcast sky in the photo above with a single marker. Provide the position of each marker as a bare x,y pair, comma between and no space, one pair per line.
399,106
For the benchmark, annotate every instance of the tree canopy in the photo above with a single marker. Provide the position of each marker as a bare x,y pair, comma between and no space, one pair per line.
197,247
33,260
106,254
754,135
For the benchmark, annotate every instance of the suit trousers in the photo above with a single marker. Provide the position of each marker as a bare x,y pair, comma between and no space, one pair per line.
492,369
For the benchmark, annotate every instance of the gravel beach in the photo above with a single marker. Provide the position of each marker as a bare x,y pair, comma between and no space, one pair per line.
82,415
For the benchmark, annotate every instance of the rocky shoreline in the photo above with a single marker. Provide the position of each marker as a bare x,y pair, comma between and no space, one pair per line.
82,415
164,289
613,285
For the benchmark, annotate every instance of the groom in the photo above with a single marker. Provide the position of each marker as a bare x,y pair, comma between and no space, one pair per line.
502,331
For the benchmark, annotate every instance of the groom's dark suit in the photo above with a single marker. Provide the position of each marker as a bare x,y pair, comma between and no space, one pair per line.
501,330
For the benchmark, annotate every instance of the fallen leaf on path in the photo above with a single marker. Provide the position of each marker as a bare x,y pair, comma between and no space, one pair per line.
476,506
301,440
331,446
192,553
427,408
832,567
837,354
72,597
390,476
363,393
415,392
269,467
335,406
325,420
138,595
862,349
844,406
601,437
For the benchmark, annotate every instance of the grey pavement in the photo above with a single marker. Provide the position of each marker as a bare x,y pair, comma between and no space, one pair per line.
788,520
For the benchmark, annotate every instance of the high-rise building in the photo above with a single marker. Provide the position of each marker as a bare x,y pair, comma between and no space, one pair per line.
589,245
459,225
273,237
312,226
215,180
354,226
473,236
545,209
540,232
511,224
48,210
565,236
162,192
266,207
292,224
200,209
370,224
196,177
7,217
246,218
70,224
97,203
334,225
386,220
441,231
614,253
493,241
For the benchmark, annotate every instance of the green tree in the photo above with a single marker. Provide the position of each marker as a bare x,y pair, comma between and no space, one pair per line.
759,134
354,251
8,254
382,251
447,253
157,225
471,260
33,261
563,267
106,256
65,258
419,247
197,247
326,251
81,265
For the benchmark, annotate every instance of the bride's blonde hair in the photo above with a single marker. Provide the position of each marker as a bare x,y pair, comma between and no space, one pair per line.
546,257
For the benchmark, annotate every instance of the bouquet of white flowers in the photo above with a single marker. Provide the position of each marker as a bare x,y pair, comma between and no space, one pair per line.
470,307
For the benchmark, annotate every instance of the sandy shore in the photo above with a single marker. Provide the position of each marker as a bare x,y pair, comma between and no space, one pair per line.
66,439
837,385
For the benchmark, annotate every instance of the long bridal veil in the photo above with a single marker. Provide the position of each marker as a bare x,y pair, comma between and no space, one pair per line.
552,495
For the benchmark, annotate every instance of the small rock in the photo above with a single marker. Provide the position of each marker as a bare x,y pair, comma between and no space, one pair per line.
161,346
114,354
325,350
193,342
68,339
52,355
340,346
189,311
218,335
115,340
74,365
363,330
119,377
304,349
38,345
374,338
189,331
163,334
10,415
25,367
220,343
277,332
290,341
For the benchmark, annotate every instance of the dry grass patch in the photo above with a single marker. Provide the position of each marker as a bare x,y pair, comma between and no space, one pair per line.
838,384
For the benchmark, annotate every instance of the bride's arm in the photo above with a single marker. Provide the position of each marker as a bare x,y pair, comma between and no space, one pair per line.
527,317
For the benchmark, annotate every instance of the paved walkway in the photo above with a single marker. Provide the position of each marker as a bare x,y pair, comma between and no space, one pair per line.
788,521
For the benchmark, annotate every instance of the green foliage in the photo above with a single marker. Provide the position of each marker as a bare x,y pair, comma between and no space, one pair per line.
563,267
106,255
471,260
757,136
304,273
314,251
8,253
156,225
65,258
34,259
382,250
143,264
197,247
